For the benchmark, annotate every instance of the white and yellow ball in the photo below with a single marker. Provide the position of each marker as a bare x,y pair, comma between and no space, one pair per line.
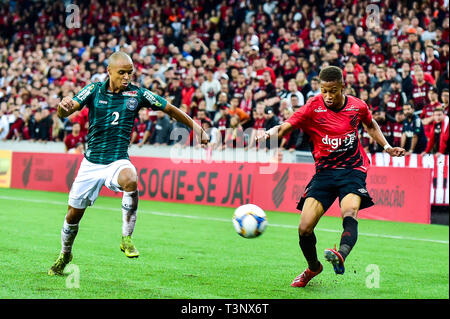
249,220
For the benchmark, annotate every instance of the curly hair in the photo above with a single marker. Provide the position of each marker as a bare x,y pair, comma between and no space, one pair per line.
331,74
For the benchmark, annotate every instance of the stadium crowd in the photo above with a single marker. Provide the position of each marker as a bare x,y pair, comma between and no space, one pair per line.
231,64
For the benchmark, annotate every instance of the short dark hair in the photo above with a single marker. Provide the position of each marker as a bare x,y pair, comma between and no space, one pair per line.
331,74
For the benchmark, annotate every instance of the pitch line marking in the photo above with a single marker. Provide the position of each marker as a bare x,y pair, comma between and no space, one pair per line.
224,220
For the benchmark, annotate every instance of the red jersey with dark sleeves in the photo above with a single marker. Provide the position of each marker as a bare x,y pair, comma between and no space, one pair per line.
334,134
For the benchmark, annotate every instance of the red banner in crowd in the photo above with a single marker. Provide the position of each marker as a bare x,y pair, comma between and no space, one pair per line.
400,194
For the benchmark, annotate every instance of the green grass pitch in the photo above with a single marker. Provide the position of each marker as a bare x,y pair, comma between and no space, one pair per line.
193,252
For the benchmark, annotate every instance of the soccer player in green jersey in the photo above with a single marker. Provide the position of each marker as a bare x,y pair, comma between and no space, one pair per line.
113,106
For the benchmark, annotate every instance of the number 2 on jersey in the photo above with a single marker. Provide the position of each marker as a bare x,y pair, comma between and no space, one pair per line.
116,118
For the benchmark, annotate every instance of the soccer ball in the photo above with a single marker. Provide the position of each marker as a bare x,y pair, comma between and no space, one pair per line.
249,220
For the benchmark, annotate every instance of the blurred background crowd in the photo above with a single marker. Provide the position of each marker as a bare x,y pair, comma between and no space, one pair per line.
234,65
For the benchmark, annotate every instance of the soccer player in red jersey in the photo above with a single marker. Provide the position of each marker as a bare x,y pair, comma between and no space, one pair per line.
331,120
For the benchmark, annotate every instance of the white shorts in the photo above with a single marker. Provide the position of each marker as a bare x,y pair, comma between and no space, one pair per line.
91,178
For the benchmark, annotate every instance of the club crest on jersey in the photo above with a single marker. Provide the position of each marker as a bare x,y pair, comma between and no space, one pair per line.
132,104
129,93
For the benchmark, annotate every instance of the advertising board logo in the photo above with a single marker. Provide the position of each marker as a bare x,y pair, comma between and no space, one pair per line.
26,171
71,173
280,189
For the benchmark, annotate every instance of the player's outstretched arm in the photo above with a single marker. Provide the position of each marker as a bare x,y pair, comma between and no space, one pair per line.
182,117
374,131
280,130
67,106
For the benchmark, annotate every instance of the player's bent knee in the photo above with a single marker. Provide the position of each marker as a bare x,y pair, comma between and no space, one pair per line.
350,205
305,229
127,180
350,212
130,186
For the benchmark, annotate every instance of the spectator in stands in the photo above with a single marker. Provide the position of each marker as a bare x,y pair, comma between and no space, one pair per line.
175,91
196,101
234,109
161,134
381,86
16,125
187,92
57,129
293,90
270,120
4,122
362,84
82,117
247,102
413,135
181,130
303,85
385,127
438,142
222,121
420,90
407,80
203,115
417,58
142,129
442,83
397,129
215,139
267,89
73,139
234,137
239,88
445,100
210,88
43,126
396,100
281,91
427,114
431,64
289,141
315,88
257,123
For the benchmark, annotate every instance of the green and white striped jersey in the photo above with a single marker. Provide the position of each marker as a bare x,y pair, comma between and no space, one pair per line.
111,118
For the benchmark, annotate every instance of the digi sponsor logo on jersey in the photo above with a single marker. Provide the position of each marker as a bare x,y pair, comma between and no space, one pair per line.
335,143
320,110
